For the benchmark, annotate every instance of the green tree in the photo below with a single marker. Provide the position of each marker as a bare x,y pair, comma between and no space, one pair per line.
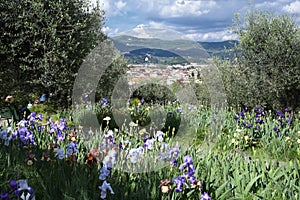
43,43
112,75
154,93
267,68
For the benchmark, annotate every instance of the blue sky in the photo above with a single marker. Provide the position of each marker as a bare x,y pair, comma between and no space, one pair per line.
201,20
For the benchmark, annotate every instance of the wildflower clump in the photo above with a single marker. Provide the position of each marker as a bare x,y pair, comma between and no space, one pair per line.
186,183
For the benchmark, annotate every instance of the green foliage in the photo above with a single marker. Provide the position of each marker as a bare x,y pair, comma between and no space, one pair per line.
43,109
43,43
267,70
110,78
154,93
244,178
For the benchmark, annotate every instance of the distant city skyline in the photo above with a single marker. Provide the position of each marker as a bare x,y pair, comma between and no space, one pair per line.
199,20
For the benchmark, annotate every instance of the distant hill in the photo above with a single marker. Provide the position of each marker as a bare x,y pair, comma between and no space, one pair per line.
170,51
221,49
218,46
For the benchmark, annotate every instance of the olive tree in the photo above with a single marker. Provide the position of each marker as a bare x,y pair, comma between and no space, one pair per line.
266,69
43,43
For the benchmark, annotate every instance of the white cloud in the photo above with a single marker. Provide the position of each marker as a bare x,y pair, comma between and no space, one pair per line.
175,8
213,36
267,4
155,30
187,8
105,29
120,4
157,24
163,31
203,20
110,31
292,8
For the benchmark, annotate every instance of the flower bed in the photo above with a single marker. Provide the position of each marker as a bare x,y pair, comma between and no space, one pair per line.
133,162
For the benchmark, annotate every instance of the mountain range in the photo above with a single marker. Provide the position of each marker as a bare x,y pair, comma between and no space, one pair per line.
141,50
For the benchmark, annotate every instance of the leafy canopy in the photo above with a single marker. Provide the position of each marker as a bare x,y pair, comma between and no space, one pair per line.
267,69
43,43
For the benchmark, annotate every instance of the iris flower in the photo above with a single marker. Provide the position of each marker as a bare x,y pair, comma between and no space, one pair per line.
71,148
27,192
110,159
104,173
134,154
105,186
4,196
4,136
205,196
149,144
179,181
159,136
104,101
60,154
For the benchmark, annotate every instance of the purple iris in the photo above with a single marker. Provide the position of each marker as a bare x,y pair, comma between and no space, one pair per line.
259,121
179,181
248,125
26,136
121,146
104,101
189,165
13,184
242,114
205,196
63,124
40,117
174,152
279,113
32,116
174,163
191,170
146,138
192,179
257,108
4,196
72,148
